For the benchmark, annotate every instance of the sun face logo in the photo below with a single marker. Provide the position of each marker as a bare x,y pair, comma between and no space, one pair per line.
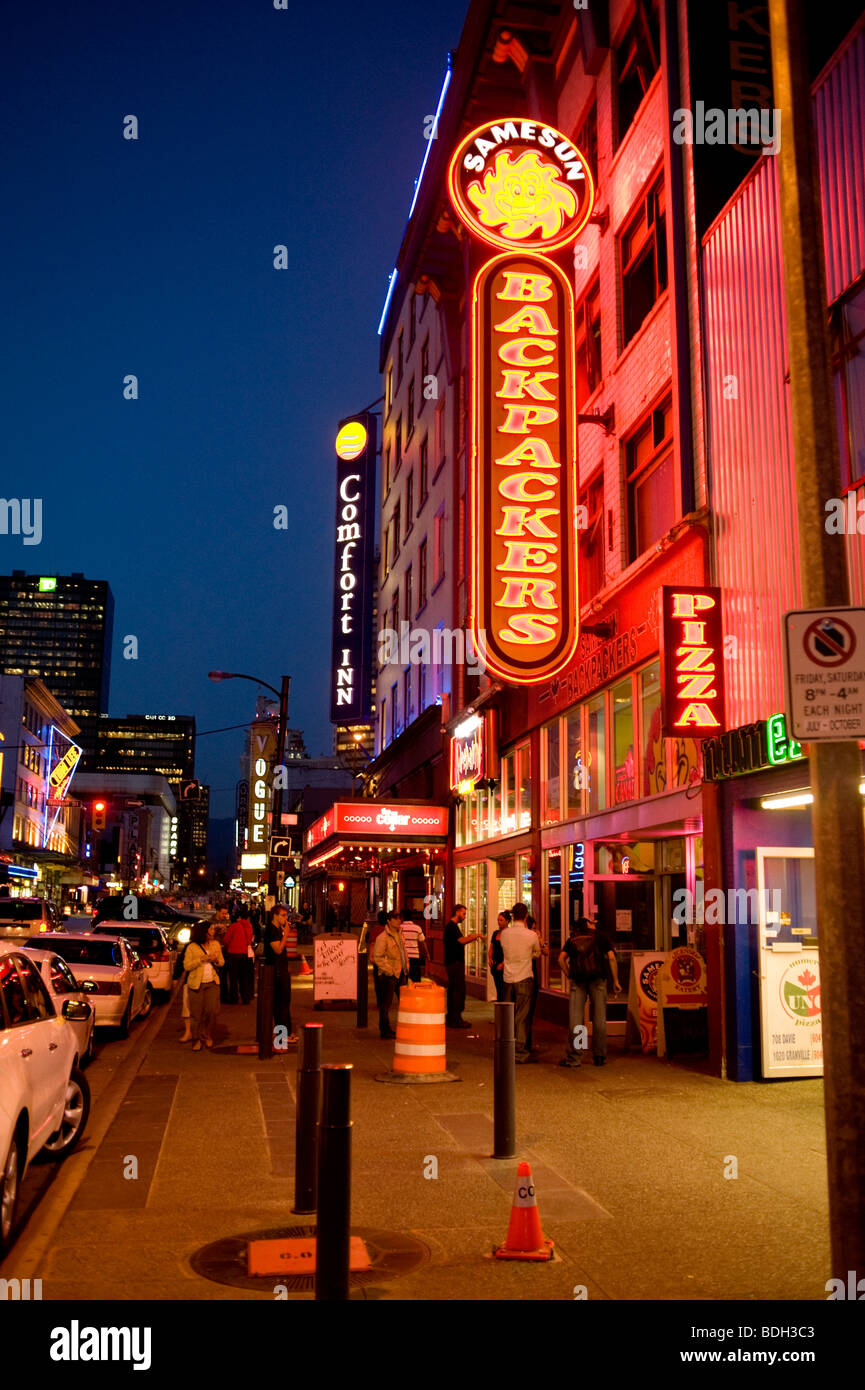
520,196
519,184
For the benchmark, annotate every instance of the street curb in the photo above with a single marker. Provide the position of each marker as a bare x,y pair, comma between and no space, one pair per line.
30,1249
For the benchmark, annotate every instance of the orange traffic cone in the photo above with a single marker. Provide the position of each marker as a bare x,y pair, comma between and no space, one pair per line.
525,1239
304,966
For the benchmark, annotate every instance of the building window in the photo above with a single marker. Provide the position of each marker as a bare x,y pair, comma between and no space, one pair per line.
650,481
440,437
385,554
644,261
394,613
592,574
388,389
421,578
409,501
397,527
637,61
624,779
408,710
421,687
847,324
398,447
596,755
654,761
587,140
552,782
439,545
588,343
410,412
407,609
424,374
399,360
387,457
394,729
424,473
412,316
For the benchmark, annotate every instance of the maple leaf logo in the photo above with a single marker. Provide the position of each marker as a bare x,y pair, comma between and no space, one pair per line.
806,978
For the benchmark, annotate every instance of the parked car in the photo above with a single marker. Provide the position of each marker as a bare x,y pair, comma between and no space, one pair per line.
21,917
134,907
44,1097
75,924
123,989
61,984
150,942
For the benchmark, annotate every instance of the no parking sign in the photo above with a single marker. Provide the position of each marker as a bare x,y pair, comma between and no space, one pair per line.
824,660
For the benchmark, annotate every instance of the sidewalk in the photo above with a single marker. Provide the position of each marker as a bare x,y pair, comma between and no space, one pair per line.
628,1162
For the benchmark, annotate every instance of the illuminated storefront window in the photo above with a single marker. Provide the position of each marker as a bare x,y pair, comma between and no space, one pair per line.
596,755
623,743
550,753
576,773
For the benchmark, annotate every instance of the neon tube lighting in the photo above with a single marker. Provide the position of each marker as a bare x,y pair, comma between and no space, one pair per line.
388,298
433,136
781,803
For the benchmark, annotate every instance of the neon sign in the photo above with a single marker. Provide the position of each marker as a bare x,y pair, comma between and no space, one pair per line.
523,469
62,762
351,676
693,664
522,186
519,184
467,756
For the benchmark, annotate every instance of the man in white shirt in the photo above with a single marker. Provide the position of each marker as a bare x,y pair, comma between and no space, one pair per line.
520,945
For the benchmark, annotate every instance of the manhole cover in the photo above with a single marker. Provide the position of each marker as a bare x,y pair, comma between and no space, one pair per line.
224,1261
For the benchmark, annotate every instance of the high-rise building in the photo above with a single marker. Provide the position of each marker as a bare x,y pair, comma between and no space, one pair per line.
160,745
58,628
156,744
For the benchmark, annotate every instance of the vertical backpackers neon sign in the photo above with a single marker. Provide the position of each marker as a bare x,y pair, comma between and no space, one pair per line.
522,187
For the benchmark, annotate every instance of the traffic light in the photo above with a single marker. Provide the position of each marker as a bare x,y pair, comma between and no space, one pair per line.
99,815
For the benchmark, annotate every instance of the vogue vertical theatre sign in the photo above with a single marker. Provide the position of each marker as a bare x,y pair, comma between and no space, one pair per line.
522,186
351,670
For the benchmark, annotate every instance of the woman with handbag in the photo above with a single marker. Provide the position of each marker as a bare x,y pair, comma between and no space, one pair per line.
202,959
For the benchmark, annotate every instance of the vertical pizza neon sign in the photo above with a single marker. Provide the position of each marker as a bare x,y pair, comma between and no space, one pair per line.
523,188
693,662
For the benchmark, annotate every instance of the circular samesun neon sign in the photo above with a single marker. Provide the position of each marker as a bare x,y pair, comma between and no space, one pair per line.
521,185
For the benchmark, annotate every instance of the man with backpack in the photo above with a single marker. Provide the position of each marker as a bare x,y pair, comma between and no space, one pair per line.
588,960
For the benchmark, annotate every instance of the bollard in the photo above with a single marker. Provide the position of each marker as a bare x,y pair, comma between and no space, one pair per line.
362,988
264,1014
308,1116
504,1075
334,1184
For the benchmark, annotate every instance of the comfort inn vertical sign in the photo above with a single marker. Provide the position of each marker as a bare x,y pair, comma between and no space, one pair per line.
522,187
351,664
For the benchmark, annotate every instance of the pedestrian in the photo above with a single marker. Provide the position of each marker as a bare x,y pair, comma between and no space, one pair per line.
201,959
237,947
455,965
275,943
496,956
415,948
520,946
389,956
589,961
536,981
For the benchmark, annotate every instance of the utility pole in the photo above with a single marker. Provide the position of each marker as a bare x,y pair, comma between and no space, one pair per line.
836,814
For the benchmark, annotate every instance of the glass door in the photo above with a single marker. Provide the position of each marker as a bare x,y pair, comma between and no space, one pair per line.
791,1017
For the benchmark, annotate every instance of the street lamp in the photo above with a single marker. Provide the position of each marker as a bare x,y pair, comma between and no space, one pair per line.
282,696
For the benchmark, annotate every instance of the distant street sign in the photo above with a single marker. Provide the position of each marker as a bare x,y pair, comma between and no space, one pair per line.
825,673
280,847
190,791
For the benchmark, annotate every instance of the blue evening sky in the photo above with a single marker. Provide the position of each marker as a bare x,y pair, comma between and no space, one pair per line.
154,256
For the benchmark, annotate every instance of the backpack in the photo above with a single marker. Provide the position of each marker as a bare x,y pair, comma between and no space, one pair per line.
585,959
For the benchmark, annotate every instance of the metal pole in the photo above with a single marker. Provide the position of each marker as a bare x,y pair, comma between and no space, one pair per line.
334,1185
836,814
504,1075
276,825
362,988
264,1012
307,1118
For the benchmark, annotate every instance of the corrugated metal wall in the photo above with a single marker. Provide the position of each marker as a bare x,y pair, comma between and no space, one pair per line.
752,489
750,446
840,123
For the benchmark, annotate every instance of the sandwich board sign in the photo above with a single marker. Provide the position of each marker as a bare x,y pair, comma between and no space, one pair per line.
824,651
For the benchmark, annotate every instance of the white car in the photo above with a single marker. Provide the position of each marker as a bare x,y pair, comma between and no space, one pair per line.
44,1097
150,941
21,918
61,984
122,988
